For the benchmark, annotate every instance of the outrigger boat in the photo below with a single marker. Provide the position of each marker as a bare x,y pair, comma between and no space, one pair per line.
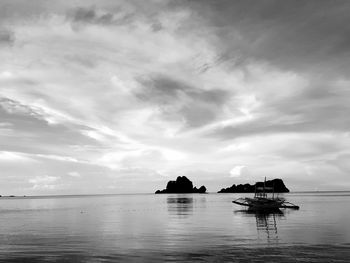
262,202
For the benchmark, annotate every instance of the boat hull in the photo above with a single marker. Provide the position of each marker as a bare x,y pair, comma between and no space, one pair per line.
264,204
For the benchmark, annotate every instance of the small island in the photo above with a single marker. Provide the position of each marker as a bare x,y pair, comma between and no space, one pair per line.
277,185
181,185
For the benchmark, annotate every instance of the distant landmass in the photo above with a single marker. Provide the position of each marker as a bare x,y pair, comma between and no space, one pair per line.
181,185
277,184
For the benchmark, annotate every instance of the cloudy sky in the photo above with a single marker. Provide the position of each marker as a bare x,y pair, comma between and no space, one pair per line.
122,96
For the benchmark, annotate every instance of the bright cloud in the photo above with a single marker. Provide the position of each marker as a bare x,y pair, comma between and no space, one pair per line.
6,156
237,171
74,174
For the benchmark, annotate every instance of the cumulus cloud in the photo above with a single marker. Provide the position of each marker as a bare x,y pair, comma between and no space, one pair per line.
74,174
237,171
7,37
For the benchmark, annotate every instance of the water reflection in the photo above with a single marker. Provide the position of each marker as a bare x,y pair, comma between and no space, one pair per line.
184,227
180,205
266,223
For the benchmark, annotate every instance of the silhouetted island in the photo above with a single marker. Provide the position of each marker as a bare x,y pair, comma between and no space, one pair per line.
181,185
277,184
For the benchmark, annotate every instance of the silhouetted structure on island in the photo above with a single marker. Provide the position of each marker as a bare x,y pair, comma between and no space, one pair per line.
181,185
277,184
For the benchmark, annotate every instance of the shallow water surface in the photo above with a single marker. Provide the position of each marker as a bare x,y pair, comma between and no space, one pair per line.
170,227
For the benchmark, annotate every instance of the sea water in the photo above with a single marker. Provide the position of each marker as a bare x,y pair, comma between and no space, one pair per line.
173,227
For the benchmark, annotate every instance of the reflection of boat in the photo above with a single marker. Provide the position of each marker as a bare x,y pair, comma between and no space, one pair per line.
261,200
266,225
266,222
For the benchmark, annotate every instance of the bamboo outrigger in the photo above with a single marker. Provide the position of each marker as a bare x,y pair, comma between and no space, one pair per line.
261,201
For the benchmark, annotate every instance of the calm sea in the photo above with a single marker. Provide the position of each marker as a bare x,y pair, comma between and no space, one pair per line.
186,227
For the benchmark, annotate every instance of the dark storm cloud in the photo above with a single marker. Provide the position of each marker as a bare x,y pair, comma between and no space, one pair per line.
7,37
298,35
88,15
163,89
93,16
196,116
182,101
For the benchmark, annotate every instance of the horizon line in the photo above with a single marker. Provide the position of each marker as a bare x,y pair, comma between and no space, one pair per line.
77,195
